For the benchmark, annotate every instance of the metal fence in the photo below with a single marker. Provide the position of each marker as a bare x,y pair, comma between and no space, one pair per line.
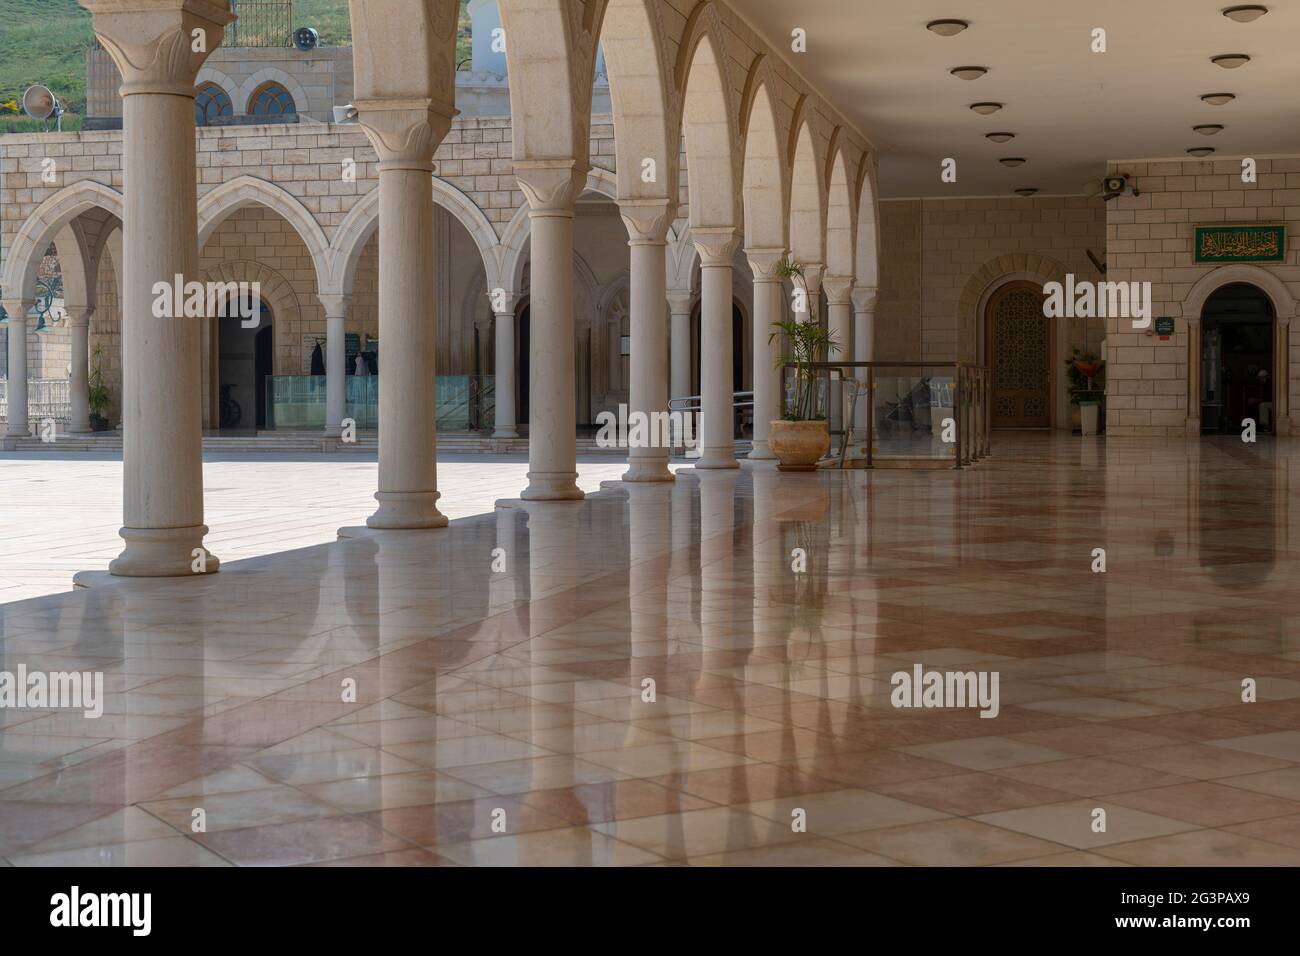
264,23
46,398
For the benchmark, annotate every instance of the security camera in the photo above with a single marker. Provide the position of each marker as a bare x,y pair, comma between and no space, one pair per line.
1115,186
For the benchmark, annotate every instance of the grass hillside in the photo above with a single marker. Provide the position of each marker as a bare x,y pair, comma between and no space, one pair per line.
45,41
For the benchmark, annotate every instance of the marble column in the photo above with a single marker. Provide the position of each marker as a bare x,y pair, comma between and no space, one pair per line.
582,398
647,224
717,249
16,388
864,350
504,313
405,136
812,277
839,323
767,351
1192,427
680,303
79,375
336,360
551,188
153,47
1282,383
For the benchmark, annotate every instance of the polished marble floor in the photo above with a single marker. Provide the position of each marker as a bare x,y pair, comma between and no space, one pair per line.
645,678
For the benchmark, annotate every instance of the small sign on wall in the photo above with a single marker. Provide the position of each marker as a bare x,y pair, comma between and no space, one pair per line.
1253,242
1164,327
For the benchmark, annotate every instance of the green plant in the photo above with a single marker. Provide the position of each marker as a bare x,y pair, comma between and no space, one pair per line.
809,343
98,394
1079,366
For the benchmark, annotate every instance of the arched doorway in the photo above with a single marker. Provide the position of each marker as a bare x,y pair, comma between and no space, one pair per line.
246,354
1019,347
1237,359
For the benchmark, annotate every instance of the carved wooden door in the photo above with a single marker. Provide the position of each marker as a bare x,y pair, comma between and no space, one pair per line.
1020,350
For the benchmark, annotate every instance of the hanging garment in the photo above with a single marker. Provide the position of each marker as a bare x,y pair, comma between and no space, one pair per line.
317,361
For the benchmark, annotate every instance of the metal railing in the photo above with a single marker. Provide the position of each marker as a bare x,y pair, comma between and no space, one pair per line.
297,402
903,410
742,415
46,398
261,23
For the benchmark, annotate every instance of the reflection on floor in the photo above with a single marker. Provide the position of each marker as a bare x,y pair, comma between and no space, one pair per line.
507,716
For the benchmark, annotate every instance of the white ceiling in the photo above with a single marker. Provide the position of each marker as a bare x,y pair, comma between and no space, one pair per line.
1072,109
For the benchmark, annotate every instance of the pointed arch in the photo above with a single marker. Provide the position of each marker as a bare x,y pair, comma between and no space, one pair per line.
766,186
222,202
840,214
710,129
807,192
867,249
23,258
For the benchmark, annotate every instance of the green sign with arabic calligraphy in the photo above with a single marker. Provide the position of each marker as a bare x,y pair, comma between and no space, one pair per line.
1257,242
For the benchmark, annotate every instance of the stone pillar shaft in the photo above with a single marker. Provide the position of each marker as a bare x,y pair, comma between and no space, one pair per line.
505,367
336,359
767,351
647,226
717,247
551,187
16,388
680,305
79,377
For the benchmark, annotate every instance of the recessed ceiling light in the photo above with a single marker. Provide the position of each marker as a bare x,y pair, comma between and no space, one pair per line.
999,137
1230,61
1245,13
1201,150
947,28
1012,161
1026,191
1208,129
984,109
969,72
1218,99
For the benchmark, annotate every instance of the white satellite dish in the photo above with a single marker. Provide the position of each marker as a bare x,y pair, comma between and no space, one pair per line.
40,104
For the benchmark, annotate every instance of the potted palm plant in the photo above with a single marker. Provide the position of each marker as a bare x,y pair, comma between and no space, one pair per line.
1084,368
98,397
801,438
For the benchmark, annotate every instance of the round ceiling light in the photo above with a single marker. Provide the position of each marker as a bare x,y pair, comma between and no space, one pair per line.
947,28
1026,191
1245,13
984,109
968,72
1208,129
1218,99
1012,161
1200,151
1230,61
999,137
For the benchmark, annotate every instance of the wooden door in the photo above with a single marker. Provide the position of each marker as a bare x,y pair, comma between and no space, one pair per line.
1019,341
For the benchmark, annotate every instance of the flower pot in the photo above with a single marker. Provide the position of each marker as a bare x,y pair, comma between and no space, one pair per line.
98,423
799,445
1089,414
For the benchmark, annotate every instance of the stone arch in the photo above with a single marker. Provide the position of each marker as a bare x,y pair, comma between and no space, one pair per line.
866,252
645,108
219,204
210,74
76,265
269,74
38,231
1284,304
550,55
807,194
362,221
840,208
766,185
709,126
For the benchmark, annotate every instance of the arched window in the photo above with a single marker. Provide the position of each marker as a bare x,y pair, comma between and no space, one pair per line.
210,103
271,99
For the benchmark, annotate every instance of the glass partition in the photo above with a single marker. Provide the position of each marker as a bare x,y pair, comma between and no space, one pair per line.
297,402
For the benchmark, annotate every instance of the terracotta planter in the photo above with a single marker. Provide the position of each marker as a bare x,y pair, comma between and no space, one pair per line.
799,445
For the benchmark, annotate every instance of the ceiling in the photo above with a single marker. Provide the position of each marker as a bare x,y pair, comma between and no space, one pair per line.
1071,109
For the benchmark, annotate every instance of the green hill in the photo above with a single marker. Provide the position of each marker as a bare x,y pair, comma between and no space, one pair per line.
45,41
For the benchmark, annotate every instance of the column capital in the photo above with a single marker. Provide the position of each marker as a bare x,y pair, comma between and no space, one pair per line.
405,132
647,220
503,302
1283,323
764,263
483,324
837,289
864,298
717,245
159,47
17,309
681,301
551,186
78,315
812,276
334,303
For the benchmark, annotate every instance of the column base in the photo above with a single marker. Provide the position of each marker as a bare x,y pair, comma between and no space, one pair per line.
18,431
505,433
760,452
552,486
407,510
1193,428
647,470
163,553
719,459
